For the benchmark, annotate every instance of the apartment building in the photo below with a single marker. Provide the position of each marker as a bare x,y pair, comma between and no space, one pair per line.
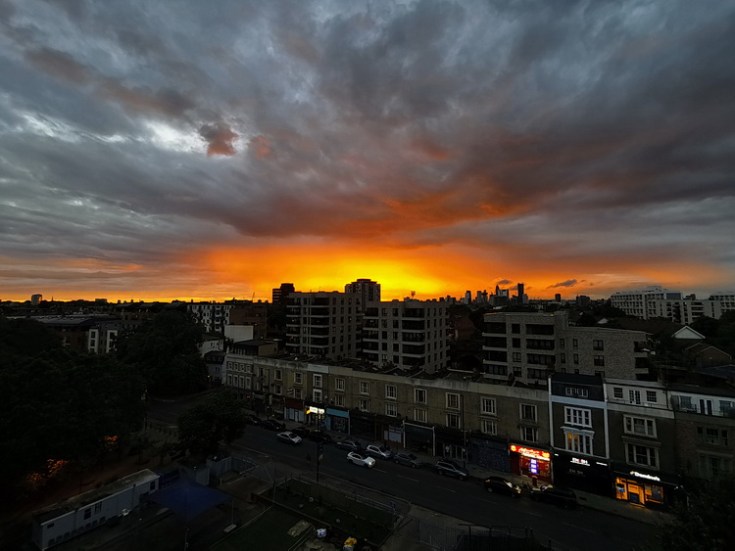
323,324
407,334
366,290
579,432
212,315
643,433
254,314
528,347
659,303
705,423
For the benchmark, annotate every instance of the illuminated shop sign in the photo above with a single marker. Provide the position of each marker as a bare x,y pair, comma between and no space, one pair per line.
530,452
313,409
580,461
646,476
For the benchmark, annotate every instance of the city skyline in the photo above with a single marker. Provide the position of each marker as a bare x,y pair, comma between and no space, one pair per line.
175,151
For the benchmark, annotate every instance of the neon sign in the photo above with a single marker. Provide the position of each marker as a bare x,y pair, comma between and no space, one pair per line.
646,476
530,452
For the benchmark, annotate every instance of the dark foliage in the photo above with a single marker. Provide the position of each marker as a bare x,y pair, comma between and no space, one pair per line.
219,417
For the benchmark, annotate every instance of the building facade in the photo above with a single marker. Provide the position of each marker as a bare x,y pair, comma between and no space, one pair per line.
213,316
409,334
661,303
323,324
528,347
366,290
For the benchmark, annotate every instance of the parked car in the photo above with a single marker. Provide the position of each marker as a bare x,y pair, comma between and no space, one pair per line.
352,445
361,460
449,468
272,424
408,459
302,431
562,497
289,437
381,452
500,485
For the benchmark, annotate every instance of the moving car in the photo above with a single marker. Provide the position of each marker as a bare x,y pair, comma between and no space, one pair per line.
361,460
381,452
408,459
562,497
352,445
449,468
289,438
500,485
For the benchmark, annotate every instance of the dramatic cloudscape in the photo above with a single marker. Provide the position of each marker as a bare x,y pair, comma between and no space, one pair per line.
210,150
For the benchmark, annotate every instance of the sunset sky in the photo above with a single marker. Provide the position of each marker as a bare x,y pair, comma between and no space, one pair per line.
209,150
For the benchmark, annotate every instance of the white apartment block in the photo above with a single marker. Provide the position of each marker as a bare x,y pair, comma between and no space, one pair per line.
408,334
527,347
213,316
323,324
660,303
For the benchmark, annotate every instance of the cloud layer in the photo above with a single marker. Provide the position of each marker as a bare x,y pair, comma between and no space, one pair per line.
172,149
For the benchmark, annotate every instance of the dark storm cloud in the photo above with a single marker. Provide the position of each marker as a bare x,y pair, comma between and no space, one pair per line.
581,130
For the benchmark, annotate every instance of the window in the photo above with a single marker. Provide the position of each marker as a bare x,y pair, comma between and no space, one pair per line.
452,401
298,378
651,396
277,389
339,400
98,505
563,358
598,361
516,356
391,392
317,395
712,436
642,455
362,405
339,384
575,344
364,387
317,380
618,393
634,397
487,406
278,375
419,396
580,442
453,421
597,344
87,513
575,359
489,426
419,415
391,409
529,434
576,391
577,416
640,426
711,467
528,412
298,393
562,343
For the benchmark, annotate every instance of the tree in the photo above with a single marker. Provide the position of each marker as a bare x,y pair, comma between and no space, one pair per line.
705,522
165,351
219,417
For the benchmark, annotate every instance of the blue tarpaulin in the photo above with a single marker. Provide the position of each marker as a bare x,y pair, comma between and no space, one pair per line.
188,499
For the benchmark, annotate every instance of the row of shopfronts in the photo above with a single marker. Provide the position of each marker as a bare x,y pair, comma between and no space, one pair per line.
540,465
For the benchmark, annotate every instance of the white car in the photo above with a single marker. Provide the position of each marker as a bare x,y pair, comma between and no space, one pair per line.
361,460
381,452
289,438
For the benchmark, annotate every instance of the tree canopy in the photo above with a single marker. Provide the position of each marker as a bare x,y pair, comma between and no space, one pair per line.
57,404
165,351
219,417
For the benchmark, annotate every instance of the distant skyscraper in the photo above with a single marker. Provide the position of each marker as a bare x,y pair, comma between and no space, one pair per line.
36,299
521,293
367,291
280,295
557,297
